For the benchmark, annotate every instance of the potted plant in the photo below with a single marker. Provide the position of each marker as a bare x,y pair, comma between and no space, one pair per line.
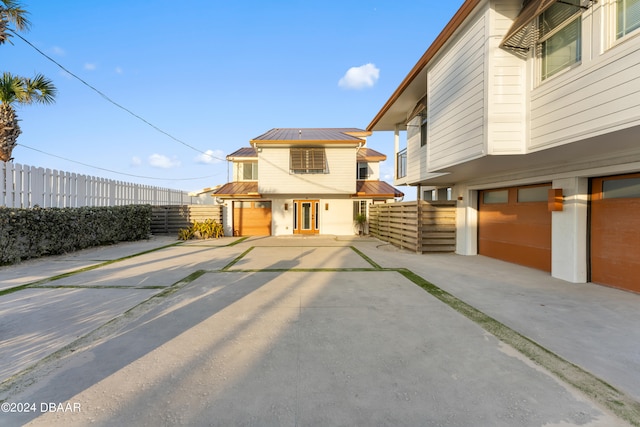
361,223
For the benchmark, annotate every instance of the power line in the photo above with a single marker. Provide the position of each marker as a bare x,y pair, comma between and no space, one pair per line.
112,101
112,171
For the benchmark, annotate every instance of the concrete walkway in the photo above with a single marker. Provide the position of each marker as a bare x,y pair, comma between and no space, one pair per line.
304,332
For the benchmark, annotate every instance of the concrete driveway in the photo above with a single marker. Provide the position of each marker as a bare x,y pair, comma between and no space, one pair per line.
279,332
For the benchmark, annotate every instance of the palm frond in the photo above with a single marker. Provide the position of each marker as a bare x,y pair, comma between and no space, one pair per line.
12,12
41,90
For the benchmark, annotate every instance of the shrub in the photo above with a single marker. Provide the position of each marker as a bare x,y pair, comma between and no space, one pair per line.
31,233
206,229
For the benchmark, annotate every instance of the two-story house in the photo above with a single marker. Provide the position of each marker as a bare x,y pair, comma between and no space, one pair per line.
302,181
528,114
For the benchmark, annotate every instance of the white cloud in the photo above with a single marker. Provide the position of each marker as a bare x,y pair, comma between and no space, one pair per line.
360,77
57,50
136,161
89,66
210,157
162,161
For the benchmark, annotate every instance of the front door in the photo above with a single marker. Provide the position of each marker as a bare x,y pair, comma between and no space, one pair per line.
305,217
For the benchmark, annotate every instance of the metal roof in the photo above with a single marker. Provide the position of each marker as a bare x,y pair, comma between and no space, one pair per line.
370,155
243,152
376,189
313,135
238,189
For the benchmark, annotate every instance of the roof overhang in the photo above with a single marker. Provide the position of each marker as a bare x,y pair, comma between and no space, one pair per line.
414,86
376,189
523,32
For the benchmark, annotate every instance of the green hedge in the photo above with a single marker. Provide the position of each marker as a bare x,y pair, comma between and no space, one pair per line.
31,233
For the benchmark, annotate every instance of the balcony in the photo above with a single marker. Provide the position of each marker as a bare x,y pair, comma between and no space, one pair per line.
401,164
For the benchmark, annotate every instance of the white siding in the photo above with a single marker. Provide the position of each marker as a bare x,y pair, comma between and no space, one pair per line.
507,90
275,177
416,155
456,100
599,96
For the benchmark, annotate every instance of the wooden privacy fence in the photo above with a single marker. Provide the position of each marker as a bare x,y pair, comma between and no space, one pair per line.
170,219
24,186
419,226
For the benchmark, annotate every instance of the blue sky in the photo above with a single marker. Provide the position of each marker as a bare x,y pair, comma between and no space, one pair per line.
211,74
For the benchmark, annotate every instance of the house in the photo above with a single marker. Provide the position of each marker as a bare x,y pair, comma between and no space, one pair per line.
528,114
302,181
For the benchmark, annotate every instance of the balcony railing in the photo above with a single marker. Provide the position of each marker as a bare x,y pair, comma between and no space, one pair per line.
401,164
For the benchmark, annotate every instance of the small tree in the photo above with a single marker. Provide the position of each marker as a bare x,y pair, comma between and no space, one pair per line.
17,89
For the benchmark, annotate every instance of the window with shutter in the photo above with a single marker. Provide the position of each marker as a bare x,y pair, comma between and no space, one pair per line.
308,160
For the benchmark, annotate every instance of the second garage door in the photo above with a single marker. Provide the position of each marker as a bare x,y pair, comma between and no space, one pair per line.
615,231
252,218
514,225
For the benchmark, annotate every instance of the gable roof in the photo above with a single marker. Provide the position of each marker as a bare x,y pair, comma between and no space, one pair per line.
244,152
414,85
370,155
312,135
376,189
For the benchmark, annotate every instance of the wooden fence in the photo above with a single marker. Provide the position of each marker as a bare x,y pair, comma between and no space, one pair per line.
418,226
27,186
169,219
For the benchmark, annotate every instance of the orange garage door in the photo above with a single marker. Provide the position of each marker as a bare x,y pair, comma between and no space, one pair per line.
615,231
514,225
252,218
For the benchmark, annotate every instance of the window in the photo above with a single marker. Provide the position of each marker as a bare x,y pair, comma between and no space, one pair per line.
401,164
494,197
363,171
308,160
560,43
359,207
533,194
248,171
627,17
423,131
621,188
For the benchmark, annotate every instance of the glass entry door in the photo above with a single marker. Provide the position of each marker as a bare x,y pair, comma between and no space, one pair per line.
305,217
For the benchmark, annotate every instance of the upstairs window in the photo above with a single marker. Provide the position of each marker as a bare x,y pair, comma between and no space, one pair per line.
363,171
308,160
249,171
560,43
627,17
423,131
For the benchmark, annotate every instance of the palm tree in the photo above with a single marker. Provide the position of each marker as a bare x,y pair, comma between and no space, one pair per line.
12,13
19,90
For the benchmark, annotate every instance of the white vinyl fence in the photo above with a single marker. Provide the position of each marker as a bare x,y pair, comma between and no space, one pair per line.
27,186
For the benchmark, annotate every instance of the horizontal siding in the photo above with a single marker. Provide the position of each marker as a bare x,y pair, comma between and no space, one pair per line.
457,101
507,89
274,176
600,98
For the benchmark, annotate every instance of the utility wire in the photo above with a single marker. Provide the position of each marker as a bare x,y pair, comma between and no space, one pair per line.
112,171
111,100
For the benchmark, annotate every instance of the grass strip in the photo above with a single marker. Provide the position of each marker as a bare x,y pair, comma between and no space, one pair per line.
40,282
236,259
29,376
366,258
606,395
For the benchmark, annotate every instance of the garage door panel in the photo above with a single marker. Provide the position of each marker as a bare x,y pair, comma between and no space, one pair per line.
252,218
518,232
615,234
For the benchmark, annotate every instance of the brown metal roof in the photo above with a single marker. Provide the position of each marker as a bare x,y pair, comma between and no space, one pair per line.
394,111
238,189
370,155
243,152
313,135
376,189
